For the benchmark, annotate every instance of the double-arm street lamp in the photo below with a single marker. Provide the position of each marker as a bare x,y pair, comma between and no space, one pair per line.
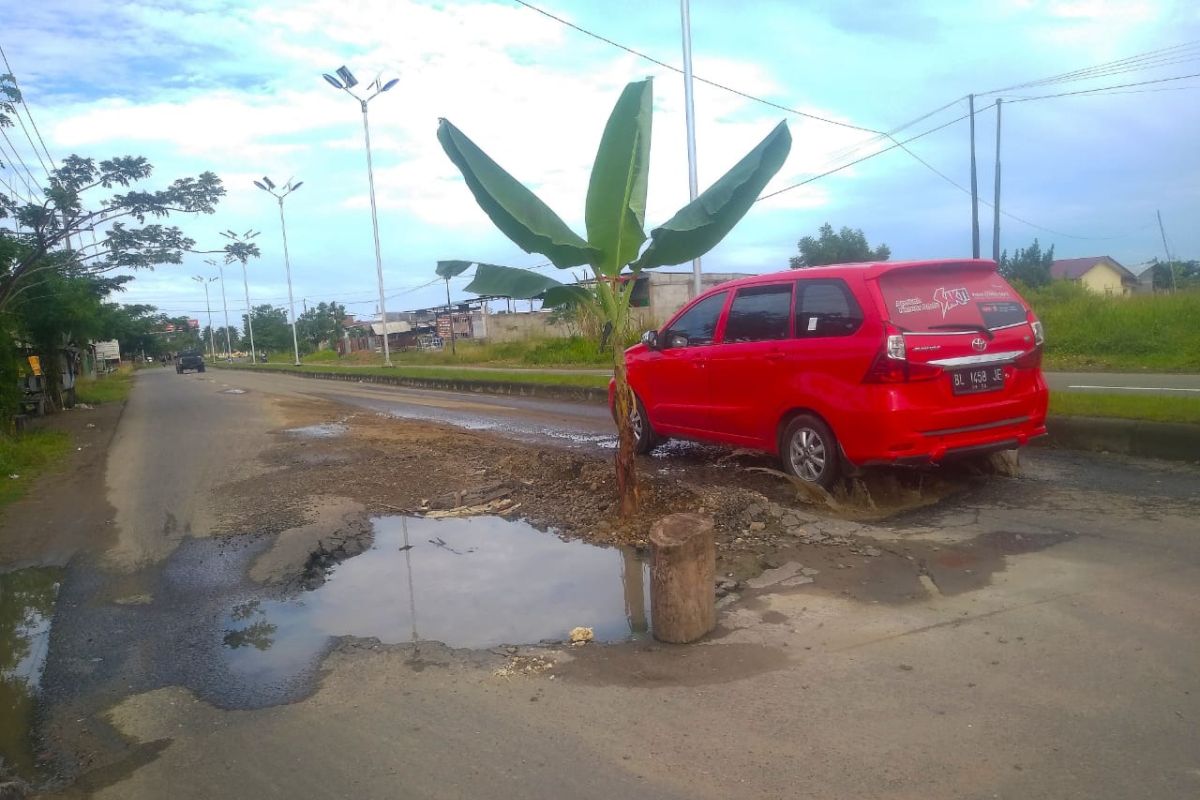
221,272
267,185
346,81
204,281
245,239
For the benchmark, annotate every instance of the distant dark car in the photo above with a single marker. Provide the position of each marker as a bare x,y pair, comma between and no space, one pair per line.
189,361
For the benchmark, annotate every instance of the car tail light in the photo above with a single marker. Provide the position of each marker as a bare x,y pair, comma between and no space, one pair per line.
1031,360
891,364
1039,333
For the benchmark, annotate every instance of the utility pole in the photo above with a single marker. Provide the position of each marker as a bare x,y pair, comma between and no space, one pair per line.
450,311
974,186
996,202
1170,264
690,114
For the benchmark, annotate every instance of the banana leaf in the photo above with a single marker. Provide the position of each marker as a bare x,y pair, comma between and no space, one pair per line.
701,224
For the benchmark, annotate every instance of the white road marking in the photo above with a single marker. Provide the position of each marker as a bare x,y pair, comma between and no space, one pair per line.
1138,388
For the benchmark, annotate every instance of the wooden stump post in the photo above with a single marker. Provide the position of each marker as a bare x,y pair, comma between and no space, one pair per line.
682,578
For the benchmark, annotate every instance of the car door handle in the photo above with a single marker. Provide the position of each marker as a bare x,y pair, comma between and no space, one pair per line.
775,355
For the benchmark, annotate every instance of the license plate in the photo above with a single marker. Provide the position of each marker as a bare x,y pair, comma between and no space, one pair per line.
980,379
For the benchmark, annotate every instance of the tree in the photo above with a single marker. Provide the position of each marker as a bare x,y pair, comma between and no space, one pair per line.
1186,275
271,328
1029,266
848,246
614,214
321,324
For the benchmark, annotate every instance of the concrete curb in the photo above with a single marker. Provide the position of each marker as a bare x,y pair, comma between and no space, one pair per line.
512,388
1175,441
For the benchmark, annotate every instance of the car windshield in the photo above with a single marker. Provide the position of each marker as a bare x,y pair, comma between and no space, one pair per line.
950,299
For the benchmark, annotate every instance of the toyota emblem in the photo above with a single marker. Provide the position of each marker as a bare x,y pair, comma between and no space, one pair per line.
979,344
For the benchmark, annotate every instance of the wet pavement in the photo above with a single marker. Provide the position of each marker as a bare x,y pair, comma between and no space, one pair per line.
198,622
26,607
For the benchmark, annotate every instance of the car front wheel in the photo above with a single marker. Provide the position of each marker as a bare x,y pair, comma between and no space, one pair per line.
809,451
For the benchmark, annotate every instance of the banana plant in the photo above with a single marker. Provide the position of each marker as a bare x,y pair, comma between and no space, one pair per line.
614,214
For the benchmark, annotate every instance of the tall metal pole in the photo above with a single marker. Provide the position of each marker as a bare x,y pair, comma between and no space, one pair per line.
996,202
450,311
287,265
1170,264
212,342
387,355
974,187
228,347
690,113
249,315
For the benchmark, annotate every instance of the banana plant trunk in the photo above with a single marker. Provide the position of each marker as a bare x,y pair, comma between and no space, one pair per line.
627,486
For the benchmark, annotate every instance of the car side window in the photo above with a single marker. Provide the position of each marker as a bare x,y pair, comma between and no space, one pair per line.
826,308
759,313
698,324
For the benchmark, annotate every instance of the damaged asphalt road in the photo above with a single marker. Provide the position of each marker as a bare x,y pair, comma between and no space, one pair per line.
953,635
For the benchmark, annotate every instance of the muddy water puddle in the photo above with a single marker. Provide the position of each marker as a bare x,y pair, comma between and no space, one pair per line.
472,583
325,430
26,608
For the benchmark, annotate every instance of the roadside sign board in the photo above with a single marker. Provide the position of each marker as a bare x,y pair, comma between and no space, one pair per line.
108,351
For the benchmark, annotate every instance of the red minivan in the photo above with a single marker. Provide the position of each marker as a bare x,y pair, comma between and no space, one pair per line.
850,365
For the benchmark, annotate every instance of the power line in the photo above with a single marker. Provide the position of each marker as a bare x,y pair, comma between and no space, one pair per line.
17,158
695,77
28,113
1147,60
866,157
1104,89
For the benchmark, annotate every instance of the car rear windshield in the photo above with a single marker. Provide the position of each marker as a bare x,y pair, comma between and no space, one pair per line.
948,299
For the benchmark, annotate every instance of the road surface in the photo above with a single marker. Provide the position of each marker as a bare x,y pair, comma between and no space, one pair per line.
1179,384
1062,665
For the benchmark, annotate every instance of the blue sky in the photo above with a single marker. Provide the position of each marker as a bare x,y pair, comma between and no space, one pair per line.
236,88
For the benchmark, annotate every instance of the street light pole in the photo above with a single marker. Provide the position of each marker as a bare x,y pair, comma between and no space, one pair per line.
690,117
242,239
224,304
212,347
267,186
346,81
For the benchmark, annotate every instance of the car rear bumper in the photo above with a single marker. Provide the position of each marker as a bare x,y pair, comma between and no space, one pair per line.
940,448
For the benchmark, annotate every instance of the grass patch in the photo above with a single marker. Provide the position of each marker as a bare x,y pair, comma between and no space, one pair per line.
575,351
448,373
107,389
1156,408
1087,331
25,456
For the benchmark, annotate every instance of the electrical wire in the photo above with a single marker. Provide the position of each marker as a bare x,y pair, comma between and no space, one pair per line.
898,144
17,159
1103,89
1175,54
695,77
28,112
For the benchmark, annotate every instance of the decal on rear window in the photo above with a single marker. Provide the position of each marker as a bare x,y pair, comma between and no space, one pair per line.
930,299
950,298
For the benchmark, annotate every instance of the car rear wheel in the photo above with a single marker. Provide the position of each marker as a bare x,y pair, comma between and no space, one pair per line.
809,451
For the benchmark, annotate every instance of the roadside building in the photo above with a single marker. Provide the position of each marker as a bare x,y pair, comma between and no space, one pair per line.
1099,274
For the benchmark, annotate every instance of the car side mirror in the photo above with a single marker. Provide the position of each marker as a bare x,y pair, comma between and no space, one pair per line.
650,339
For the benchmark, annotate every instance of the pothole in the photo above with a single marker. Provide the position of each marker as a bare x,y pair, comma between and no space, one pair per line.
473,582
